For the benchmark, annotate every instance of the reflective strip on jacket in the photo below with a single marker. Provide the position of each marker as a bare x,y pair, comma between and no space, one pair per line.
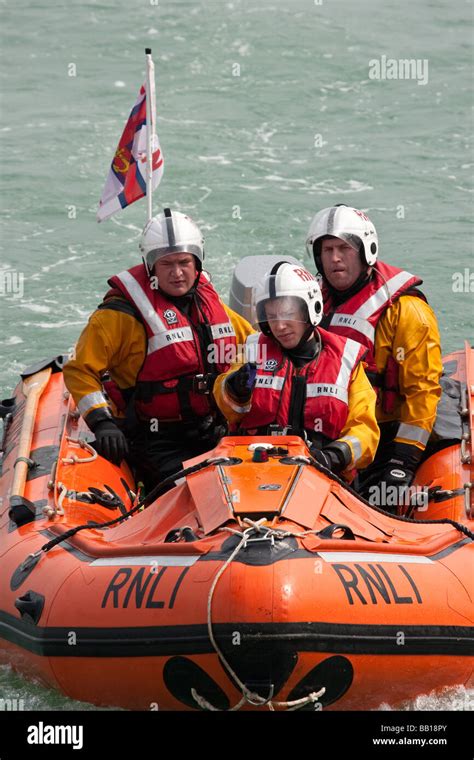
357,317
401,332
175,349
340,402
326,379
115,341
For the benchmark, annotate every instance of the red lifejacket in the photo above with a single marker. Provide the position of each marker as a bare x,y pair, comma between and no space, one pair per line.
357,317
168,386
327,381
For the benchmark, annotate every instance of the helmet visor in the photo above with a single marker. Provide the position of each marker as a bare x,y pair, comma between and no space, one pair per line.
158,253
273,313
314,246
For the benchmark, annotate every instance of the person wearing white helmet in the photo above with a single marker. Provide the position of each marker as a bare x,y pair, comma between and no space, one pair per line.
162,334
300,379
380,306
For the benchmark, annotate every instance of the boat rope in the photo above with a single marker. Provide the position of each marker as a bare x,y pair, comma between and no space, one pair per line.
248,696
73,459
57,510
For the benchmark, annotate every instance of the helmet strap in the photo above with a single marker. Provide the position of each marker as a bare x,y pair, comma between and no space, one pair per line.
147,270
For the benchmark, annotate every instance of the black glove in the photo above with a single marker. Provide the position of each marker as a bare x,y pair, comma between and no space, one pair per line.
396,469
210,431
110,442
396,475
241,382
335,457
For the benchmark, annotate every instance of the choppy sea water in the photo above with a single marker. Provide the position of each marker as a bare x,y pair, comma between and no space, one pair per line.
267,112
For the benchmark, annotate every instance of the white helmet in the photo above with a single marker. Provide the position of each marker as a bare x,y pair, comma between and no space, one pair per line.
171,232
288,280
348,224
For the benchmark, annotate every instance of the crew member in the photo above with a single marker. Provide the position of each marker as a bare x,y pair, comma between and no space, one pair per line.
162,334
380,306
300,379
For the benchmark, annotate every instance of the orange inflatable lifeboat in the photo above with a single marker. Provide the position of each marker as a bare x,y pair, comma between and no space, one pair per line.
257,581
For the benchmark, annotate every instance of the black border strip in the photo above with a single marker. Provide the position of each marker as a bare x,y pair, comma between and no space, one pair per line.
265,557
445,552
165,641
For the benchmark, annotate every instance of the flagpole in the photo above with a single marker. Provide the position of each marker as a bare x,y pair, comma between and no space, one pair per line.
150,123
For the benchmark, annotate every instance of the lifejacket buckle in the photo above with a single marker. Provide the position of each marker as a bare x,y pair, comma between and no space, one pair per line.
203,383
275,429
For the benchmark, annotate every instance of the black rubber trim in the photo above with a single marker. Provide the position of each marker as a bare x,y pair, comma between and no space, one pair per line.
305,554
77,553
56,363
259,558
156,641
43,459
449,550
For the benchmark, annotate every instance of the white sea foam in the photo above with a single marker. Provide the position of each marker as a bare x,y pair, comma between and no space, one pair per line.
221,160
37,307
329,187
12,340
449,698
53,325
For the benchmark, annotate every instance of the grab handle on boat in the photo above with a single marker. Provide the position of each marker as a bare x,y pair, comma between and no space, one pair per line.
329,530
465,453
467,499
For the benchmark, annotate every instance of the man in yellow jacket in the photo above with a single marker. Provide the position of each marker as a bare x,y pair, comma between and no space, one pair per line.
300,379
162,335
380,306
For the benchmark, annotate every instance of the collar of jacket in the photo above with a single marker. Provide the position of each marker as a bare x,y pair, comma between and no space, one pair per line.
302,354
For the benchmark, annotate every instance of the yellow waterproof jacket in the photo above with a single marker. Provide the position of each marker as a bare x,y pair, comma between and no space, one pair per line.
360,432
115,342
408,331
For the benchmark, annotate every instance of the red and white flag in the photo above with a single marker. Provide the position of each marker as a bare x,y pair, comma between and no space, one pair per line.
127,179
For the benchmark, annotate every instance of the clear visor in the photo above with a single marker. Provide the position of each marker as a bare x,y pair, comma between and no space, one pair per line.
159,253
348,237
278,312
